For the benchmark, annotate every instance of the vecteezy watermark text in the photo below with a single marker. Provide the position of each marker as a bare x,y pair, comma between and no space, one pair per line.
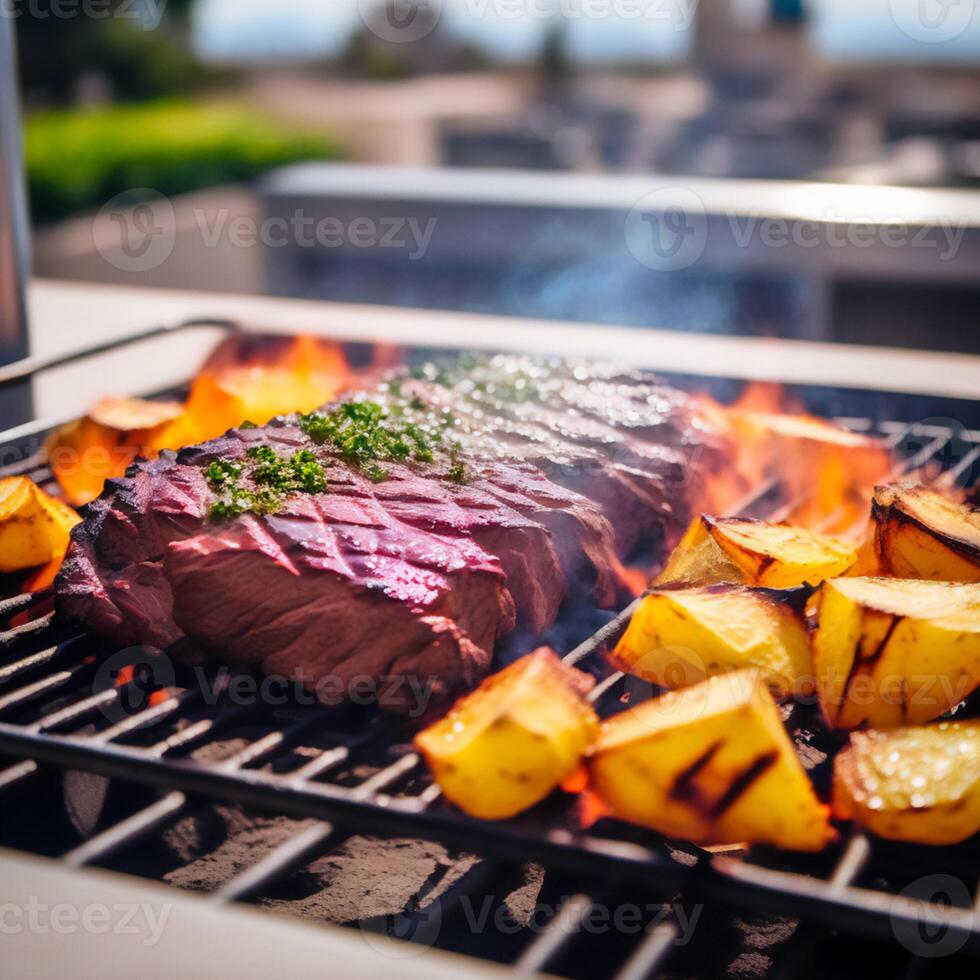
148,14
137,231
670,228
304,231
134,672
419,928
38,918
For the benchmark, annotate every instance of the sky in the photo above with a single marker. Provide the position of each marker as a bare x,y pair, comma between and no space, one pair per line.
842,28
259,27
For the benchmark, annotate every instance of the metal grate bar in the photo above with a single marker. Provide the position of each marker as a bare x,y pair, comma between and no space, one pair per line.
35,660
925,454
560,930
878,910
602,636
295,852
33,466
603,687
140,823
29,366
963,468
852,862
10,639
379,814
31,692
307,844
17,603
129,830
650,955
145,719
77,710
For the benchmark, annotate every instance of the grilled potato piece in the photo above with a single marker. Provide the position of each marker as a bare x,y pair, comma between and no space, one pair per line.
34,527
919,533
891,652
507,745
87,452
678,637
915,784
735,549
712,764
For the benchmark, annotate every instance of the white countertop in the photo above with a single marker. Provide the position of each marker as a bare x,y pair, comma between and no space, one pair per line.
94,925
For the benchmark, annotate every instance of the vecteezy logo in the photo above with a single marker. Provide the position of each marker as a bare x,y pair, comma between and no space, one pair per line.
415,931
924,934
667,230
132,674
673,668
932,21
400,21
136,231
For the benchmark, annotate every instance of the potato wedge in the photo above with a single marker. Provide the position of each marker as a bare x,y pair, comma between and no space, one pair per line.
891,652
735,549
914,784
679,637
87,452
712,764
34,527
507,745
919,533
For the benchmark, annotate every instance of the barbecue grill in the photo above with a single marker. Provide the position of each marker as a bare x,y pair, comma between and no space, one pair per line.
172,745
350,770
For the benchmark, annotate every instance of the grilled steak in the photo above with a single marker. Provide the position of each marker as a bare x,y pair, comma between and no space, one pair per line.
637,448
413,561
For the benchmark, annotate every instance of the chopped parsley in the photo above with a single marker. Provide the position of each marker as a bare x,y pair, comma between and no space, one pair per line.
363,433
366,435
457,468
260,483
223,471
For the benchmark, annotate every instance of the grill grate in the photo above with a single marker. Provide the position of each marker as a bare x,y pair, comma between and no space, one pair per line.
47,702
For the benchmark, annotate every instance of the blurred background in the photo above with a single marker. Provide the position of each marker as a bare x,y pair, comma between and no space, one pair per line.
799,168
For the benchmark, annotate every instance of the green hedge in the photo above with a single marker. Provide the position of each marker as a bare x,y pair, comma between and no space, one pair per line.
79,159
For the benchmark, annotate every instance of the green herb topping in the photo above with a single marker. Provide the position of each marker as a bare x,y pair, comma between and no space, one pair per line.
368,435
364,434
260,483
457,468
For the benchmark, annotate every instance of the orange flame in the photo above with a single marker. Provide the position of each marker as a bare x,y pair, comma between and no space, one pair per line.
254,378
767,396
257,386
576,781
591,809
826,474
632,581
